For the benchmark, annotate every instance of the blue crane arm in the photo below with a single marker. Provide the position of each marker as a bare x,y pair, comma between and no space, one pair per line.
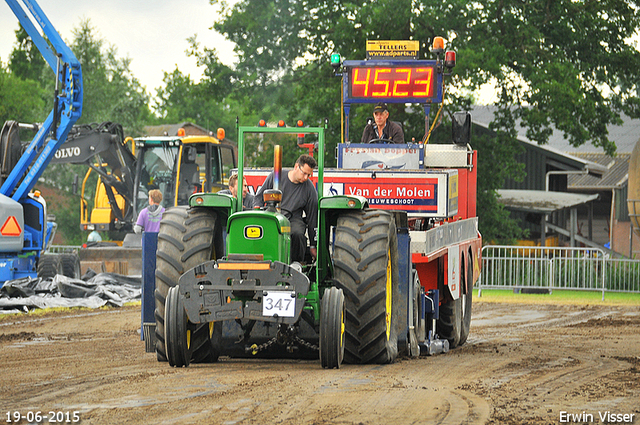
67,106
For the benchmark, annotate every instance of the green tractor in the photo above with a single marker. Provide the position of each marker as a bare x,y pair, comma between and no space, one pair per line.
225,284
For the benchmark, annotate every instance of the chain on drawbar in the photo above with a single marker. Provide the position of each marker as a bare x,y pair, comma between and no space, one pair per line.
255,348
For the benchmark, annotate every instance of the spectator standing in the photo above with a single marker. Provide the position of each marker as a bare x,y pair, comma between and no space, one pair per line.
149,218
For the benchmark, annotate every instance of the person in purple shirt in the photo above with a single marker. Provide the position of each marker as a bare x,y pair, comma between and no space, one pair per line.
149,218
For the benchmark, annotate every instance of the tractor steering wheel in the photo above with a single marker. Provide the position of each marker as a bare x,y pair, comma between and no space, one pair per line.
384,141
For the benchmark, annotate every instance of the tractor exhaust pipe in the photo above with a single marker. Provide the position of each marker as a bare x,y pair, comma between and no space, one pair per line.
277,166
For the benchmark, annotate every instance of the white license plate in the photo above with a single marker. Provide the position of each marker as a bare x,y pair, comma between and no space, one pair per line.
279,303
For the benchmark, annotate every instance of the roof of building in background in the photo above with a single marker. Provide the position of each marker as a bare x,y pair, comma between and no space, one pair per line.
625,136
540,201
616,170
617,173
172,129
483,115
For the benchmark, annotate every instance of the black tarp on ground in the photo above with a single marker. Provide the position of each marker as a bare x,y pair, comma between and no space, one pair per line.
21,295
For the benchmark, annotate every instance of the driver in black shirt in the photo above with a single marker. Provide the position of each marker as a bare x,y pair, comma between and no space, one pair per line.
298,195
382,127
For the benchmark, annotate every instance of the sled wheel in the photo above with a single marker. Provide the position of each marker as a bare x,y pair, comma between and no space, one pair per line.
466,303
419,318
332,328
450,323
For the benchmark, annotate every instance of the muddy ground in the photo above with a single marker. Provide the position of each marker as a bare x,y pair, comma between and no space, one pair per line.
523,364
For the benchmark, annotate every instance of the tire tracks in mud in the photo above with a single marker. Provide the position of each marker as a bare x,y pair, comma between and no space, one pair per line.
462,407
507,373
552,361
360,394
250,392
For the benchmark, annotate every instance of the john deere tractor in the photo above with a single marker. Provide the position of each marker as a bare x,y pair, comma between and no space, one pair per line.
225,283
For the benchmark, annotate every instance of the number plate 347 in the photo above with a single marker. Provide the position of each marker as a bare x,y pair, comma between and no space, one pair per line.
280,303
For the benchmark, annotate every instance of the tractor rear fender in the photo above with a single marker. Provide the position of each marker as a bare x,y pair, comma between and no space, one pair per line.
214,200
329,208
343,202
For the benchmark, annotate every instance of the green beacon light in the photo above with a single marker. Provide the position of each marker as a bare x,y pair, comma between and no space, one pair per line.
336,62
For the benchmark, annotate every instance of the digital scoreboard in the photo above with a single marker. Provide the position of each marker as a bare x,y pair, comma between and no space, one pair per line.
396,82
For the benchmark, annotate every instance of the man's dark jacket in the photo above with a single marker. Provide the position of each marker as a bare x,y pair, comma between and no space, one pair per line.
392,131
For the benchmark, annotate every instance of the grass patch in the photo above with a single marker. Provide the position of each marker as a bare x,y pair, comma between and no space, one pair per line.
37,312
60,311
559,297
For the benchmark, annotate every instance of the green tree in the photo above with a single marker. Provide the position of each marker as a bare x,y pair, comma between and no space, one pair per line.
493,220
570,64
176,101
26,61
566,64
181,99
111,92
210,103
20,100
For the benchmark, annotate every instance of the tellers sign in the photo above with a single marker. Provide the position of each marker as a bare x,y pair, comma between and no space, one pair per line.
392,82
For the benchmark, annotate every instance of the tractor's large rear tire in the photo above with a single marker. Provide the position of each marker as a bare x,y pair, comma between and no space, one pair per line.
48,266
186,239
467,303
332,329
365,259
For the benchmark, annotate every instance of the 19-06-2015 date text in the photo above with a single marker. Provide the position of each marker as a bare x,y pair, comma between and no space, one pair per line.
46,417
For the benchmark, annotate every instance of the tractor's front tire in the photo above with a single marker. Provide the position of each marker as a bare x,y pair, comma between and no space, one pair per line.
177,336
332,329
186,239
365,259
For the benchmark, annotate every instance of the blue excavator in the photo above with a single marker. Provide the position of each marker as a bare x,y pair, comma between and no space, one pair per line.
25,230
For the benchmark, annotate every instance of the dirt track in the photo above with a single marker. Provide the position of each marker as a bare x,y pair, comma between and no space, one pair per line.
523,364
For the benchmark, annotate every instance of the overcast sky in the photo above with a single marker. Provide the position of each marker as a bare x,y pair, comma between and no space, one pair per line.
152,33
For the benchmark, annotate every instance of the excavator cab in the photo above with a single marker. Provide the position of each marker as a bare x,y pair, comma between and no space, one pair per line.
157,163
181,166
189,181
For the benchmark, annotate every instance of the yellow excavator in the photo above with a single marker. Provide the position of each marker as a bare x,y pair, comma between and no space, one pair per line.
129,168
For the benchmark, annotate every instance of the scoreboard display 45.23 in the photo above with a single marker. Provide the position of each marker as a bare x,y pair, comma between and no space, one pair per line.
410,82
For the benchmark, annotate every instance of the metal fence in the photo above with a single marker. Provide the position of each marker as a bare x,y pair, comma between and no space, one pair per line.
63,249
556,268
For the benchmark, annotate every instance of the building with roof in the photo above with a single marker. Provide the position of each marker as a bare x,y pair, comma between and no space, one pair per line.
585,188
